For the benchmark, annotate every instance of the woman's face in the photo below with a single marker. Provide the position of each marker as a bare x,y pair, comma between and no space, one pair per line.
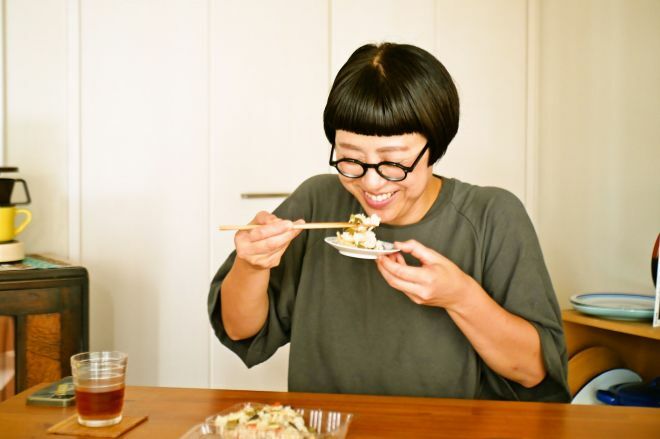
395,202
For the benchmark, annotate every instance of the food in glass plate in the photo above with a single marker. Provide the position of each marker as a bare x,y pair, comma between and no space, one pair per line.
361,234
282,421
272,421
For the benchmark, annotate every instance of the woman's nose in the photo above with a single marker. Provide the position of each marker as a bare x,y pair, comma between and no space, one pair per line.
372,180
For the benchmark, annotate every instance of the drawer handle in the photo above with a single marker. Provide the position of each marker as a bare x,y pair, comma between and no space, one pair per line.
253,195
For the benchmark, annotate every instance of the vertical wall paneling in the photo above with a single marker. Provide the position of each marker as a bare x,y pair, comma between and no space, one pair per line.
36,115
269,74
211,157
73,126
483,44
2,83
599,147
144,184
532,110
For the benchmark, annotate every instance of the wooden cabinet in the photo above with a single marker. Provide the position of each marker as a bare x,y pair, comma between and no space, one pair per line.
49,308
637,344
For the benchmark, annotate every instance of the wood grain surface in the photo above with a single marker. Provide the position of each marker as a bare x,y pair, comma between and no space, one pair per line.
173,411
71,427
636,343
42,348
642,328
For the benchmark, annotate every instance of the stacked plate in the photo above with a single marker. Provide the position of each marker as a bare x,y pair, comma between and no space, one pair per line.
620,306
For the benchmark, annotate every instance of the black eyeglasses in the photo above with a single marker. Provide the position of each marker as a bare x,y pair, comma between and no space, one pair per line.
391,171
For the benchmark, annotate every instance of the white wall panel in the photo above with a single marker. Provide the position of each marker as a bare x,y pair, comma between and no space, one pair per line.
36,103
144,184
483,44
269,73
600,180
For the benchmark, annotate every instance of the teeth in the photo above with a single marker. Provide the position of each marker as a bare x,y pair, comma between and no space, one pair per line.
379,197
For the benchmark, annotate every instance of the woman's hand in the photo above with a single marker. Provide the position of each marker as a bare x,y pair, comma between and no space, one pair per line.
263,247
438,282
507,343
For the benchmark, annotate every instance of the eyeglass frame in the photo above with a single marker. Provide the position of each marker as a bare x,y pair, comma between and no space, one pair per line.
375,166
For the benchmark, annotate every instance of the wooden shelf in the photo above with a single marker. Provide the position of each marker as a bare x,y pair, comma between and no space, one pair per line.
635,343
638,328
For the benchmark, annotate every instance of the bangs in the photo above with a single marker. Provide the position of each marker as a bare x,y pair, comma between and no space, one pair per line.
370,105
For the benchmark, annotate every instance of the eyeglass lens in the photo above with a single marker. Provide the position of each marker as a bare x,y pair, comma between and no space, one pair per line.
354,170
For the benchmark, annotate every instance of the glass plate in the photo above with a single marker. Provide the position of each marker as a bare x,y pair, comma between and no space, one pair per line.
362,253
621,306
328,425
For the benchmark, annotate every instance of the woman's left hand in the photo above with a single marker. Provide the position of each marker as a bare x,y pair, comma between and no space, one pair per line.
437,282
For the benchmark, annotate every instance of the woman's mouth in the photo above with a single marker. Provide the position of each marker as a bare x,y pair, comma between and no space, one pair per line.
378,201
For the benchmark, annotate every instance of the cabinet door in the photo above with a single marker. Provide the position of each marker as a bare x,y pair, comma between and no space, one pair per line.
144,183
269,79
483,44
50,320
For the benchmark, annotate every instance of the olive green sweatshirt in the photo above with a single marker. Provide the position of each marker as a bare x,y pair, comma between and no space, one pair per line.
350,332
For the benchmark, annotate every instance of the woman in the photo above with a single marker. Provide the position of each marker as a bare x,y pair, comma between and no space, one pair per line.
465,310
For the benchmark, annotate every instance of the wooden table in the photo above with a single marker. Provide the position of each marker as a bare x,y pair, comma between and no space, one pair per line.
173,411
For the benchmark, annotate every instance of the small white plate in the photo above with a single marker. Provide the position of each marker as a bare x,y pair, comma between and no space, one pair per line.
362,253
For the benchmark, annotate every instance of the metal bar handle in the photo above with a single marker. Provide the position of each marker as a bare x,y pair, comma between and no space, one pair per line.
255,195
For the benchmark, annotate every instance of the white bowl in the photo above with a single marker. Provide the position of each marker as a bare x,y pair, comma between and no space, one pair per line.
587,395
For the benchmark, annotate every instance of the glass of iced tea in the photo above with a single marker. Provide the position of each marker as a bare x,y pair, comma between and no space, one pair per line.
99,379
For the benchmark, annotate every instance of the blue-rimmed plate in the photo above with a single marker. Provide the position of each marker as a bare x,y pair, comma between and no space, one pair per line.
621,306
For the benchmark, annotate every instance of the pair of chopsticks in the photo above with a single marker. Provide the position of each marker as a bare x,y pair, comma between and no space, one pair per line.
295,226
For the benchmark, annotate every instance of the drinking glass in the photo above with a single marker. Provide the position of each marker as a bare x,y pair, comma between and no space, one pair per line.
99,380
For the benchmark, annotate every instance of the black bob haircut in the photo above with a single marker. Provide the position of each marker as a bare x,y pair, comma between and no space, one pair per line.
392,89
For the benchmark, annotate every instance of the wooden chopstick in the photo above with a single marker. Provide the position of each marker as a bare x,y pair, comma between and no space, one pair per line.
295,226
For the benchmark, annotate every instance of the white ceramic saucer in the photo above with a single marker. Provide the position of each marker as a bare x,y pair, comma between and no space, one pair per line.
362,253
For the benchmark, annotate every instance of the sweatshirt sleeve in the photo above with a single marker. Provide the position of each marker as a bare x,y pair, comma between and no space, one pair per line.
515,275
282,288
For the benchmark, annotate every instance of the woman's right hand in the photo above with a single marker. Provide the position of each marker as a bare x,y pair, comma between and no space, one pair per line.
263,247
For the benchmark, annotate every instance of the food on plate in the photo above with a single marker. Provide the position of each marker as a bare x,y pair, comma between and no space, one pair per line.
276,421
361,234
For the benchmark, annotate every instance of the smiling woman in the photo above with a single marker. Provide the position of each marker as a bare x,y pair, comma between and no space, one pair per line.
465,307
400,201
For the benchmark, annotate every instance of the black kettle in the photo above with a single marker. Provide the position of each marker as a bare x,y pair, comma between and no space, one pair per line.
7,188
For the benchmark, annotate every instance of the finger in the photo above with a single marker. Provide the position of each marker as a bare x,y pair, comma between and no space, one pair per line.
271,229
398,258
297,232
420,251
263,217
404,271
275,243
410,289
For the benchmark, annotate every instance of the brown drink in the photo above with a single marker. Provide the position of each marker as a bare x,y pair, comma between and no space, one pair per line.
98,378
99,404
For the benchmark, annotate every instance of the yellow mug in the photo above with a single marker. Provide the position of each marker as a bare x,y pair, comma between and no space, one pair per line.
8,229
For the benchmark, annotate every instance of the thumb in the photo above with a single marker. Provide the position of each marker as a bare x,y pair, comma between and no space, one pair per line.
425,255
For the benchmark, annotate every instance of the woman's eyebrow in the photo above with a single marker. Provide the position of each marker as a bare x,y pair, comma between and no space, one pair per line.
392,148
